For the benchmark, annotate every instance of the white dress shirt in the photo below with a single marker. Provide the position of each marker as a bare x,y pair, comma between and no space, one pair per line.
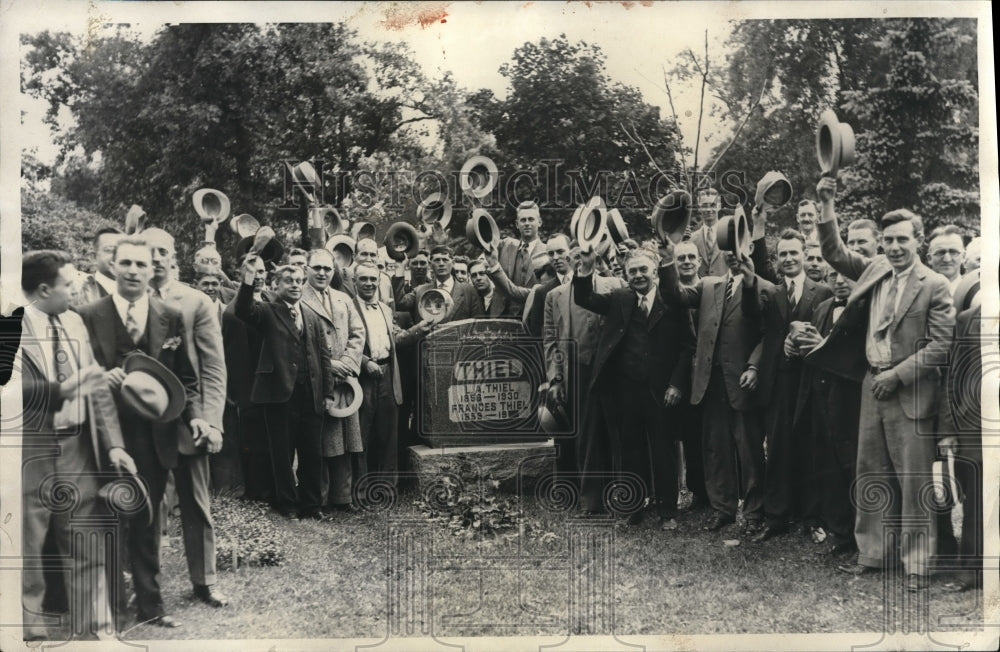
73,410
879,349
799,281
378,330
649,296
449,284
140,312
109,284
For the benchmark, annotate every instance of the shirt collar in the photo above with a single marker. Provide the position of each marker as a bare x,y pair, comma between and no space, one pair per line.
565,278
39,319
449,283
905,273
649,296
109,284
142,303
799,280
163,289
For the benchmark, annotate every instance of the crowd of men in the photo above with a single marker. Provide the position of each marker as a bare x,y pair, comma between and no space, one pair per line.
791,390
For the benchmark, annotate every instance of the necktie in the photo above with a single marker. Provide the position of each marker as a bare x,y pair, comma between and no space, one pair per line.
297,318
131,325
644,306
441,285
730,287
710,238
157,293
791,295
63,363
889,311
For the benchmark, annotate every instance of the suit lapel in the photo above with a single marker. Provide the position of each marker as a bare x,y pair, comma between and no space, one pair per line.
781,299
314,300
719,296
879,270
106,328
913,282
156,327
656,310
33,352
806,301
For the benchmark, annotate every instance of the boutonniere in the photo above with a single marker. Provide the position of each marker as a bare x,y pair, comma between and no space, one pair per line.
172,343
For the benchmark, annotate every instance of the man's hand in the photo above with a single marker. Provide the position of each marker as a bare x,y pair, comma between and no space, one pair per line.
438,235
947,445
121,460
826,188
791,349
666,252
747,269
672,396
587,261
556,394
83,382
492,257
748,380
329,404
340,369
885,384
199,430
373,369
808,340
249,269
214,441
115,378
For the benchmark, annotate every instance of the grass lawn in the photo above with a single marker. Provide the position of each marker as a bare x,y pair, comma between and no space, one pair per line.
338,576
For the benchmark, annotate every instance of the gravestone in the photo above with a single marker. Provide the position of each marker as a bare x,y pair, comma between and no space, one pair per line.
480,383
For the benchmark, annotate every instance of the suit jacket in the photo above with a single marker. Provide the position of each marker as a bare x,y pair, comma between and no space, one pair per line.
920,335
41,397
961,410
163,324
343,328
777,315
468,303
274,380
90,291
708,296
825,386
713,261
670,331
534,306
203,340
500,306
507,255
568,326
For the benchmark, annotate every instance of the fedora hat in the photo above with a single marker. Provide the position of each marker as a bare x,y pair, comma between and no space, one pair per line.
966,290
347,397
326,218
834,143
435,304
671,216
481,230
122,495
733,233
244,225
342,241
773,188
553,419
150,389
478,176
435,208
401,241
272,250
211,205
363,230
590,224
135,219
616,226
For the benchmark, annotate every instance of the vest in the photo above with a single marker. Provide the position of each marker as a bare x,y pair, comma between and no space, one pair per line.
123,341
635,349
301,354
730,331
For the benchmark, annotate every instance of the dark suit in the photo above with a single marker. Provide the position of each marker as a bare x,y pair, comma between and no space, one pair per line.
779,379
637,358
726,347
827,409
518,265
468,304
153,446
500,306
293,377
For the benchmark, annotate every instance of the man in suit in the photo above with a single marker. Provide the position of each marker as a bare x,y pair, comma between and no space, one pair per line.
894,335
126,321
815,267
344,334
495,304
294,383
805,218
713,261
551,268
570,333
516,256
460,269
830,405
64,438
642,364
792,300
102,282
203,340
367,252
863,237
724,381
946,253
380,382
208,259
467,304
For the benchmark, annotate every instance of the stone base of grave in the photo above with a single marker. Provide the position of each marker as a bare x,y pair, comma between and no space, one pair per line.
504,463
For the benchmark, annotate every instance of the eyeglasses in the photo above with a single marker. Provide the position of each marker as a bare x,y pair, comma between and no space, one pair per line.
941,253
683,257
322,268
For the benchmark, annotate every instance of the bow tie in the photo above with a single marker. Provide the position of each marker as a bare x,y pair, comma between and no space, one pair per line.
371,305
839,303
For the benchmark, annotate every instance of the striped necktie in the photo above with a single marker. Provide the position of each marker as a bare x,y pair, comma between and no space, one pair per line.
131,325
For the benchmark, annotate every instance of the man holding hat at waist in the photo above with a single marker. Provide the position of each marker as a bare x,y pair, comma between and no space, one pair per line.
149,403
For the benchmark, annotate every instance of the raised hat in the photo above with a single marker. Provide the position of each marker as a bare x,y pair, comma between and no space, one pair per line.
135,219
363,230
435,208
671,216
211,205
435,305
401,241
342,241
616,226
590,224
478,176
481,230
150,389
733,233
773,188
834,143
347,397
272,250
244,225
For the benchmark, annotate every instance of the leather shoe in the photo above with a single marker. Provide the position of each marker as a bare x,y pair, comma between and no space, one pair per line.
164,621
857,569
841,548
211,595
718,521
956,586
916,583
765,533
290,514
668,524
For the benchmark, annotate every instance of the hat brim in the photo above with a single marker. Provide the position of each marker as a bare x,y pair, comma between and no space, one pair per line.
437,198
465,176
352,386
834,143
211,195
773,181
426,297
272,252
105,493
733,234
176,395
481,230
671,216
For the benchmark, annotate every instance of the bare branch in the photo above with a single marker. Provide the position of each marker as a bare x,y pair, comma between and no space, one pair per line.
701,112
739,129
637,139
677,125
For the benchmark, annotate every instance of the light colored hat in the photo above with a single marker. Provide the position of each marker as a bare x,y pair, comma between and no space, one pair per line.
347,397
150,389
